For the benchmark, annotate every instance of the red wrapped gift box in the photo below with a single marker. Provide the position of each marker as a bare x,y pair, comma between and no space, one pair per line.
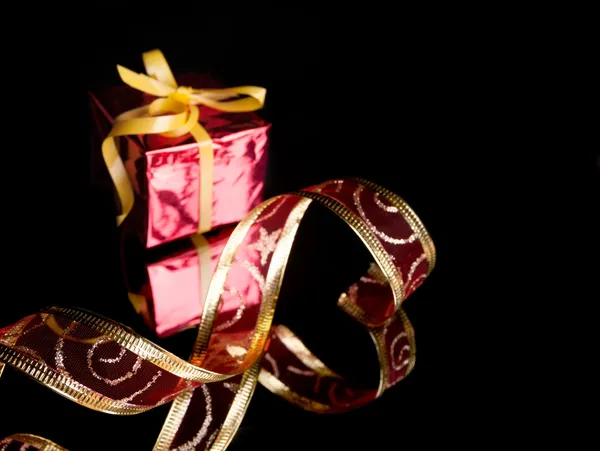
165,171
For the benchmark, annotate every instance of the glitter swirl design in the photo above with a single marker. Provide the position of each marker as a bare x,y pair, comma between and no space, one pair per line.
406,348
90,354
272,243
192,444
388,239
238,313
384,207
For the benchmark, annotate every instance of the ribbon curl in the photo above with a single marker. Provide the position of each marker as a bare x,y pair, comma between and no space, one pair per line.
174,113
106,366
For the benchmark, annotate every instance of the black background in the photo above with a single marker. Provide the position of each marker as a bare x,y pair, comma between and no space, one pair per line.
461,121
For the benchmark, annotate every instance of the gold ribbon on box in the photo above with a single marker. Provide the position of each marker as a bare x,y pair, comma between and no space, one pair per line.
174,113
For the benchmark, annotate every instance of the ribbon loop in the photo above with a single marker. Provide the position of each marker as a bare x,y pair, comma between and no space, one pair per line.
144,83
62,348
156,65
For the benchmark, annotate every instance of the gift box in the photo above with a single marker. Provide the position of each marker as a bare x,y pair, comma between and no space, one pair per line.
168,289
184,160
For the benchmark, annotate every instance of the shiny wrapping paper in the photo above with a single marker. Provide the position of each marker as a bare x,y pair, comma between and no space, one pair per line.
106,366
164,171
166,291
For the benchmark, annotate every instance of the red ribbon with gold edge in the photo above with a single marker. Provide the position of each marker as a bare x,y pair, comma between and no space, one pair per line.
29,442
106,366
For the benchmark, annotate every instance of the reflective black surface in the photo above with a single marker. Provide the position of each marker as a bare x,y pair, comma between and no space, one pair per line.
452,121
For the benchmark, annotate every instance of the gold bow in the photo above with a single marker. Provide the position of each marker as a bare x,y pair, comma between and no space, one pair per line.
174,113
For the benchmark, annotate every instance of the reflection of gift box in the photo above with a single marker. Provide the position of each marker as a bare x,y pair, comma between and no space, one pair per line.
169,290
166,172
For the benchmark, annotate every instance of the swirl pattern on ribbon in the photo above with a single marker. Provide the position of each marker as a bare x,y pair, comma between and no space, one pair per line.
106,366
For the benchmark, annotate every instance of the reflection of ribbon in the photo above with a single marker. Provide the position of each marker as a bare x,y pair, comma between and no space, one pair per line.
300,377
174,113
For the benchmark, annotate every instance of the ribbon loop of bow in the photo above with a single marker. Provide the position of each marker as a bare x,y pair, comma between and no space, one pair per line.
160,82
174,113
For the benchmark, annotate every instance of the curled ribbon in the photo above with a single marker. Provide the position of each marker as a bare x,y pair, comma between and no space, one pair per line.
174,113
106,366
